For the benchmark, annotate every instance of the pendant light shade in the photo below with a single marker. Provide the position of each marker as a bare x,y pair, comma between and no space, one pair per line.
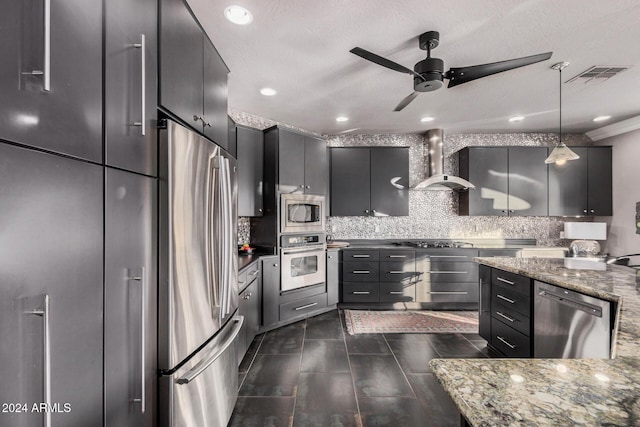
561,153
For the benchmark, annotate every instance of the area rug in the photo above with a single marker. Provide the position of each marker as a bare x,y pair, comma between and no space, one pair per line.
423,321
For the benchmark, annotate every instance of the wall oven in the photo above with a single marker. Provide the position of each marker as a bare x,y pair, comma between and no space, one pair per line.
301,213
302,260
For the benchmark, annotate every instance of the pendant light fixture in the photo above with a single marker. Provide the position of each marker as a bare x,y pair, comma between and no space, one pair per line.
561,153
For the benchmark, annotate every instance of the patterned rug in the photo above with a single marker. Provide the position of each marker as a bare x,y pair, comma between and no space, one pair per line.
423,321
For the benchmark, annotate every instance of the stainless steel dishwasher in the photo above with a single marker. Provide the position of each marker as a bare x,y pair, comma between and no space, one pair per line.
570,325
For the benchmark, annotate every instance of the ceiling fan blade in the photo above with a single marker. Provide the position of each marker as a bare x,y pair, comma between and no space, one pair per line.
457,76
377,59
406,101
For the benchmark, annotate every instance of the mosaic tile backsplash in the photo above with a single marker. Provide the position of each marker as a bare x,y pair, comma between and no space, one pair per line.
433,214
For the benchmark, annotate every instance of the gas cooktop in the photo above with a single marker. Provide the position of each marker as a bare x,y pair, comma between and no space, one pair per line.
438,244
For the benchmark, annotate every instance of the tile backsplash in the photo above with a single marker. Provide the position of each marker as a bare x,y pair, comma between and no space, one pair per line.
433,214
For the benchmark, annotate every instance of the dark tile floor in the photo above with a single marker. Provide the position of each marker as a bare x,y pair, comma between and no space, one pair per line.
313,373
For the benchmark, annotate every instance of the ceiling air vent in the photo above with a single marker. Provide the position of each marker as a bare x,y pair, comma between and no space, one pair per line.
599,73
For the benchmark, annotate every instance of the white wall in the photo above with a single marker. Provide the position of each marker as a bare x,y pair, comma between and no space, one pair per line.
622,238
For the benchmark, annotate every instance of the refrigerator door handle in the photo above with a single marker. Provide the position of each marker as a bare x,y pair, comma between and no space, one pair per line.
143,285
46,383
212,227
228,243
202,366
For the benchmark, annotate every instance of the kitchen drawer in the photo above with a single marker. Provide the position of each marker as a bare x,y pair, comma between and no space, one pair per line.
508,341
397,271
397,292
447,254
360,292
362,271
397,255
447,292
247,276
446,271
510,317
303,306
509,298
515,281
242,280
360,255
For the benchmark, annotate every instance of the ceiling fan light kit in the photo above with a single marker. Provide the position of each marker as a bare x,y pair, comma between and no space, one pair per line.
561,153
429,74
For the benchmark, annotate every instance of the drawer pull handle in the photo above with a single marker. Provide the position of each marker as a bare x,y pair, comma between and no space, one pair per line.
446,272
396,293
397,256
360,256
508,282
254,273
305,306
510,301
397,272
361,272
504,316
511,346
361,292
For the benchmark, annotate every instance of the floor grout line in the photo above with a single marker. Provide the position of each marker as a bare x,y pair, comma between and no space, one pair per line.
353,380
295,395
404,374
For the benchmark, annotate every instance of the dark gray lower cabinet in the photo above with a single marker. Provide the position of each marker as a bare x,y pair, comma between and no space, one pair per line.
51,249
130,299
249,306
270,273
484,309
333,276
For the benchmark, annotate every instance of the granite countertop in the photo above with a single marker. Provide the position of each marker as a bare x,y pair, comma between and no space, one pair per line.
556,392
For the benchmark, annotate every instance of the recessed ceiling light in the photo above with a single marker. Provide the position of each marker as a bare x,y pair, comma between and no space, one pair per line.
342,119
516,119
267,91
427,119
601,118
238,15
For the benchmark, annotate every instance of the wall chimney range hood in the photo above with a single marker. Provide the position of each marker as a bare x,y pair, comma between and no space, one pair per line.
437,179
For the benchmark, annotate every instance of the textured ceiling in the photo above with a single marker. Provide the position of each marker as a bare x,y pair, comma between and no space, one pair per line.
301,49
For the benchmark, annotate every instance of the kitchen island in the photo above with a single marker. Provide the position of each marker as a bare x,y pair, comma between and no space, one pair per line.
556,392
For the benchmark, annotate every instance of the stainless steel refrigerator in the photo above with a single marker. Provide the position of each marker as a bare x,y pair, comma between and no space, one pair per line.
198,294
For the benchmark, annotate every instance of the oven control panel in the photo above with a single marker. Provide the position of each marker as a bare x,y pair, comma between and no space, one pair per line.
293,240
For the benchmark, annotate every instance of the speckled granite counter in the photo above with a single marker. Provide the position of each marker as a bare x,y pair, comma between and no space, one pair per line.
556,392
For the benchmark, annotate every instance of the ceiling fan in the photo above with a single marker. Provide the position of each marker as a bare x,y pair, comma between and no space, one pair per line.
429,73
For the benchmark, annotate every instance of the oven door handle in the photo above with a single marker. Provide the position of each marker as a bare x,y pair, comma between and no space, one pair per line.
303,250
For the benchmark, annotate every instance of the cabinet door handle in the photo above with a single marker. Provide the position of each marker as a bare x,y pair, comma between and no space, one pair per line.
510,301
202,119
446,272
254,273
396,293
397,272
305,306
508,282
447,256
397,256
361,272
143,285
360,293
143,81
46,65
308,186
592,211
511,346
360,256
504,316
584,210
46,343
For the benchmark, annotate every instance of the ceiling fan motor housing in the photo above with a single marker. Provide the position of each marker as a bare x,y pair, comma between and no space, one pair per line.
432,69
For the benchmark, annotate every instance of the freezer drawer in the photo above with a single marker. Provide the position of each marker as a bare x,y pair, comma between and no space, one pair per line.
568,324
203,391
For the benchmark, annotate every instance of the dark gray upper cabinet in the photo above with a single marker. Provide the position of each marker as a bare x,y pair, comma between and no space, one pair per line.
215,95
582,186
130,299
131,87
51,209
389,181
509,181
193,77
60,108
369,181
301,164
250,143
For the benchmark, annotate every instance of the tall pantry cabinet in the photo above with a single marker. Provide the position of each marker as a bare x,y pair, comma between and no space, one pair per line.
77,212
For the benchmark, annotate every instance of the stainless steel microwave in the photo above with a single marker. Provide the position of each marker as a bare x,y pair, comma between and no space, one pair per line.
301,213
